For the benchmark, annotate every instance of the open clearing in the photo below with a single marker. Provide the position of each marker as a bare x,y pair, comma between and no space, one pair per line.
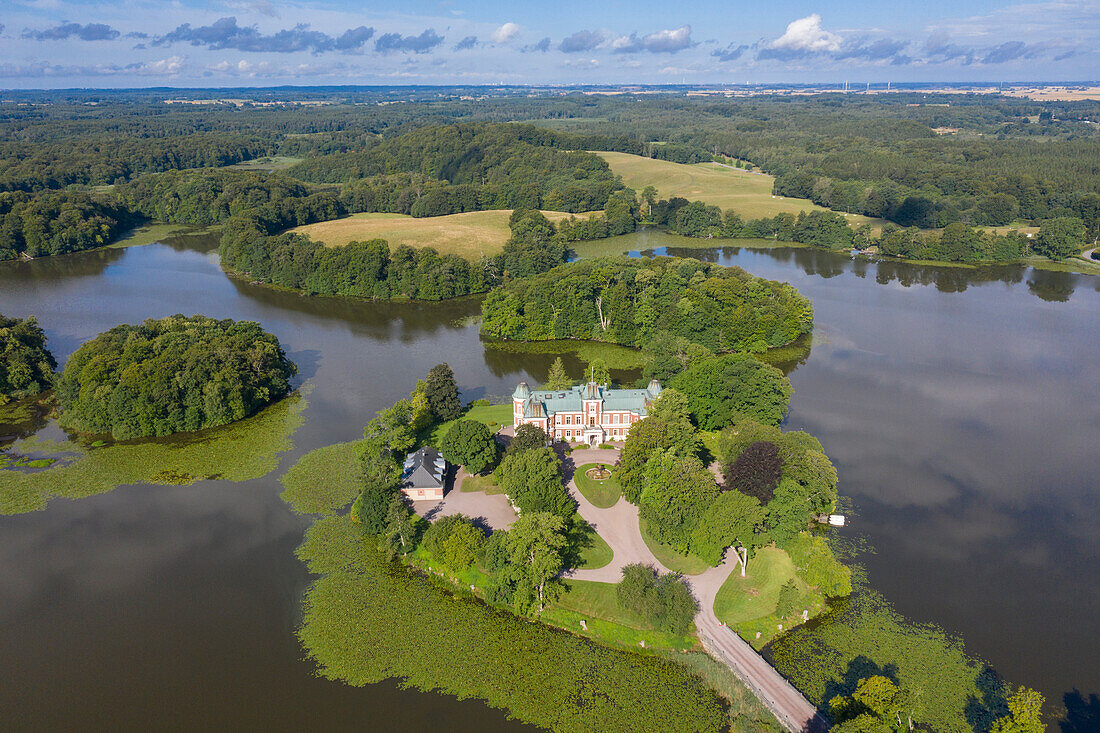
749,194
471,235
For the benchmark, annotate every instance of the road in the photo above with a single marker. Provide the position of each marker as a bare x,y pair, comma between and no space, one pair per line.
619,527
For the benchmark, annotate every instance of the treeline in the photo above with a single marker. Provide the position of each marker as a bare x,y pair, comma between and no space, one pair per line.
106,158
57,222
631,301
176,374
26,365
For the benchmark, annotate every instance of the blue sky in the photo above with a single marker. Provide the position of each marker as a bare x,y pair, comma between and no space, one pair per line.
60,43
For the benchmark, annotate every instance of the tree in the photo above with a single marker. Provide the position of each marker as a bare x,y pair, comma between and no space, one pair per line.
597,372
678,606
678,489
726,389
1060,238
665,601
557,379
380,477
666,428
532,479
636,591
756,472
535,543
26,365
399,534
789,512
818,566
1025,710
471,444
790,598
527,437
813,470
442,393
875,706
731,520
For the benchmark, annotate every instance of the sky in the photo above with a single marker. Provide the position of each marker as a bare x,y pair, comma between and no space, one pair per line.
219,43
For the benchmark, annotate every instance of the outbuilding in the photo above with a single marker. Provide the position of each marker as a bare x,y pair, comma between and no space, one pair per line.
423,475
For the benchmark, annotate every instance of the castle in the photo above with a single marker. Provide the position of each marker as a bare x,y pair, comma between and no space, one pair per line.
588,413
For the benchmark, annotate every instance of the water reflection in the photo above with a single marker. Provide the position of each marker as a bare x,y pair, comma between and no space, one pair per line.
958,404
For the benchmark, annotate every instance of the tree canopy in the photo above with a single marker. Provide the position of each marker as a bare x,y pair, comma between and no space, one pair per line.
726,389
26,365
176,374
471,444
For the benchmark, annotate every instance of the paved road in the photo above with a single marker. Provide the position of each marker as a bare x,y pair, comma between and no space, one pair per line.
493,510
619,527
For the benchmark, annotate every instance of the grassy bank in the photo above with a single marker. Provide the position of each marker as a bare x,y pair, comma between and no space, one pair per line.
493,416
157,232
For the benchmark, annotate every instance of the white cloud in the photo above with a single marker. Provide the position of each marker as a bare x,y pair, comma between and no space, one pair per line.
505,33
806,34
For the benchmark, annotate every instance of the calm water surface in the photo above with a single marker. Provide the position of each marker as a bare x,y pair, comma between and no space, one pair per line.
960,407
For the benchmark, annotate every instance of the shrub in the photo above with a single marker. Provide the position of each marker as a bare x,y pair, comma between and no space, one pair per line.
790,597
455,541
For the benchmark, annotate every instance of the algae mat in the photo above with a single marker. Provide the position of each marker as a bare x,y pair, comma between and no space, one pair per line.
242,451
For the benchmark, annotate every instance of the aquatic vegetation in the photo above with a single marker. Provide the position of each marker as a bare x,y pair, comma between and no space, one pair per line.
242,451
864,636
324,480
366,620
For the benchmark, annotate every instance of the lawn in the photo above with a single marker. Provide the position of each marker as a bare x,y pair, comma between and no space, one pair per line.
495,416
486,483
749,194
596,604
670,558
472,235
748,604
594,551
604,494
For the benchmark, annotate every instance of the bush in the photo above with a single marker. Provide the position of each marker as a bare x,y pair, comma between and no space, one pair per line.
455,541
790,598
172,375
664,601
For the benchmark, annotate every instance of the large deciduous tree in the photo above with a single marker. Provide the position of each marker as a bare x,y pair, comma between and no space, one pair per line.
26,365
533,481
678,489
535,544
471,444
1060,238
731,520
756,472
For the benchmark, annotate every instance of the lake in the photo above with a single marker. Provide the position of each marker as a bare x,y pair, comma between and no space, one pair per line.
959,405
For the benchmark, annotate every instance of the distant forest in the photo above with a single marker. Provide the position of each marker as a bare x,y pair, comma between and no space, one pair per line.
77,168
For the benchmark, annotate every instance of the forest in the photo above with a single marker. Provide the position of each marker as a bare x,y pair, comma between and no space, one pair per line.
176,374
26,365
77,168
632,301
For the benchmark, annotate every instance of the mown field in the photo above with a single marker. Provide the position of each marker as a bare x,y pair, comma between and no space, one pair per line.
470,235
749,194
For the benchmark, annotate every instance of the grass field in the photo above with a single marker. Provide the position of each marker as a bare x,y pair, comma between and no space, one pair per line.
471,235
494,416
604,494
670,558
749,194
748,604
598,606
271,163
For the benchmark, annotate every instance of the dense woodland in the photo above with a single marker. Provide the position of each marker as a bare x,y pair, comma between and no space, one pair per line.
26,365
176,374
918,160
633,301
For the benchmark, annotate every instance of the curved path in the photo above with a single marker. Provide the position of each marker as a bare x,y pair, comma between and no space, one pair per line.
619,528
